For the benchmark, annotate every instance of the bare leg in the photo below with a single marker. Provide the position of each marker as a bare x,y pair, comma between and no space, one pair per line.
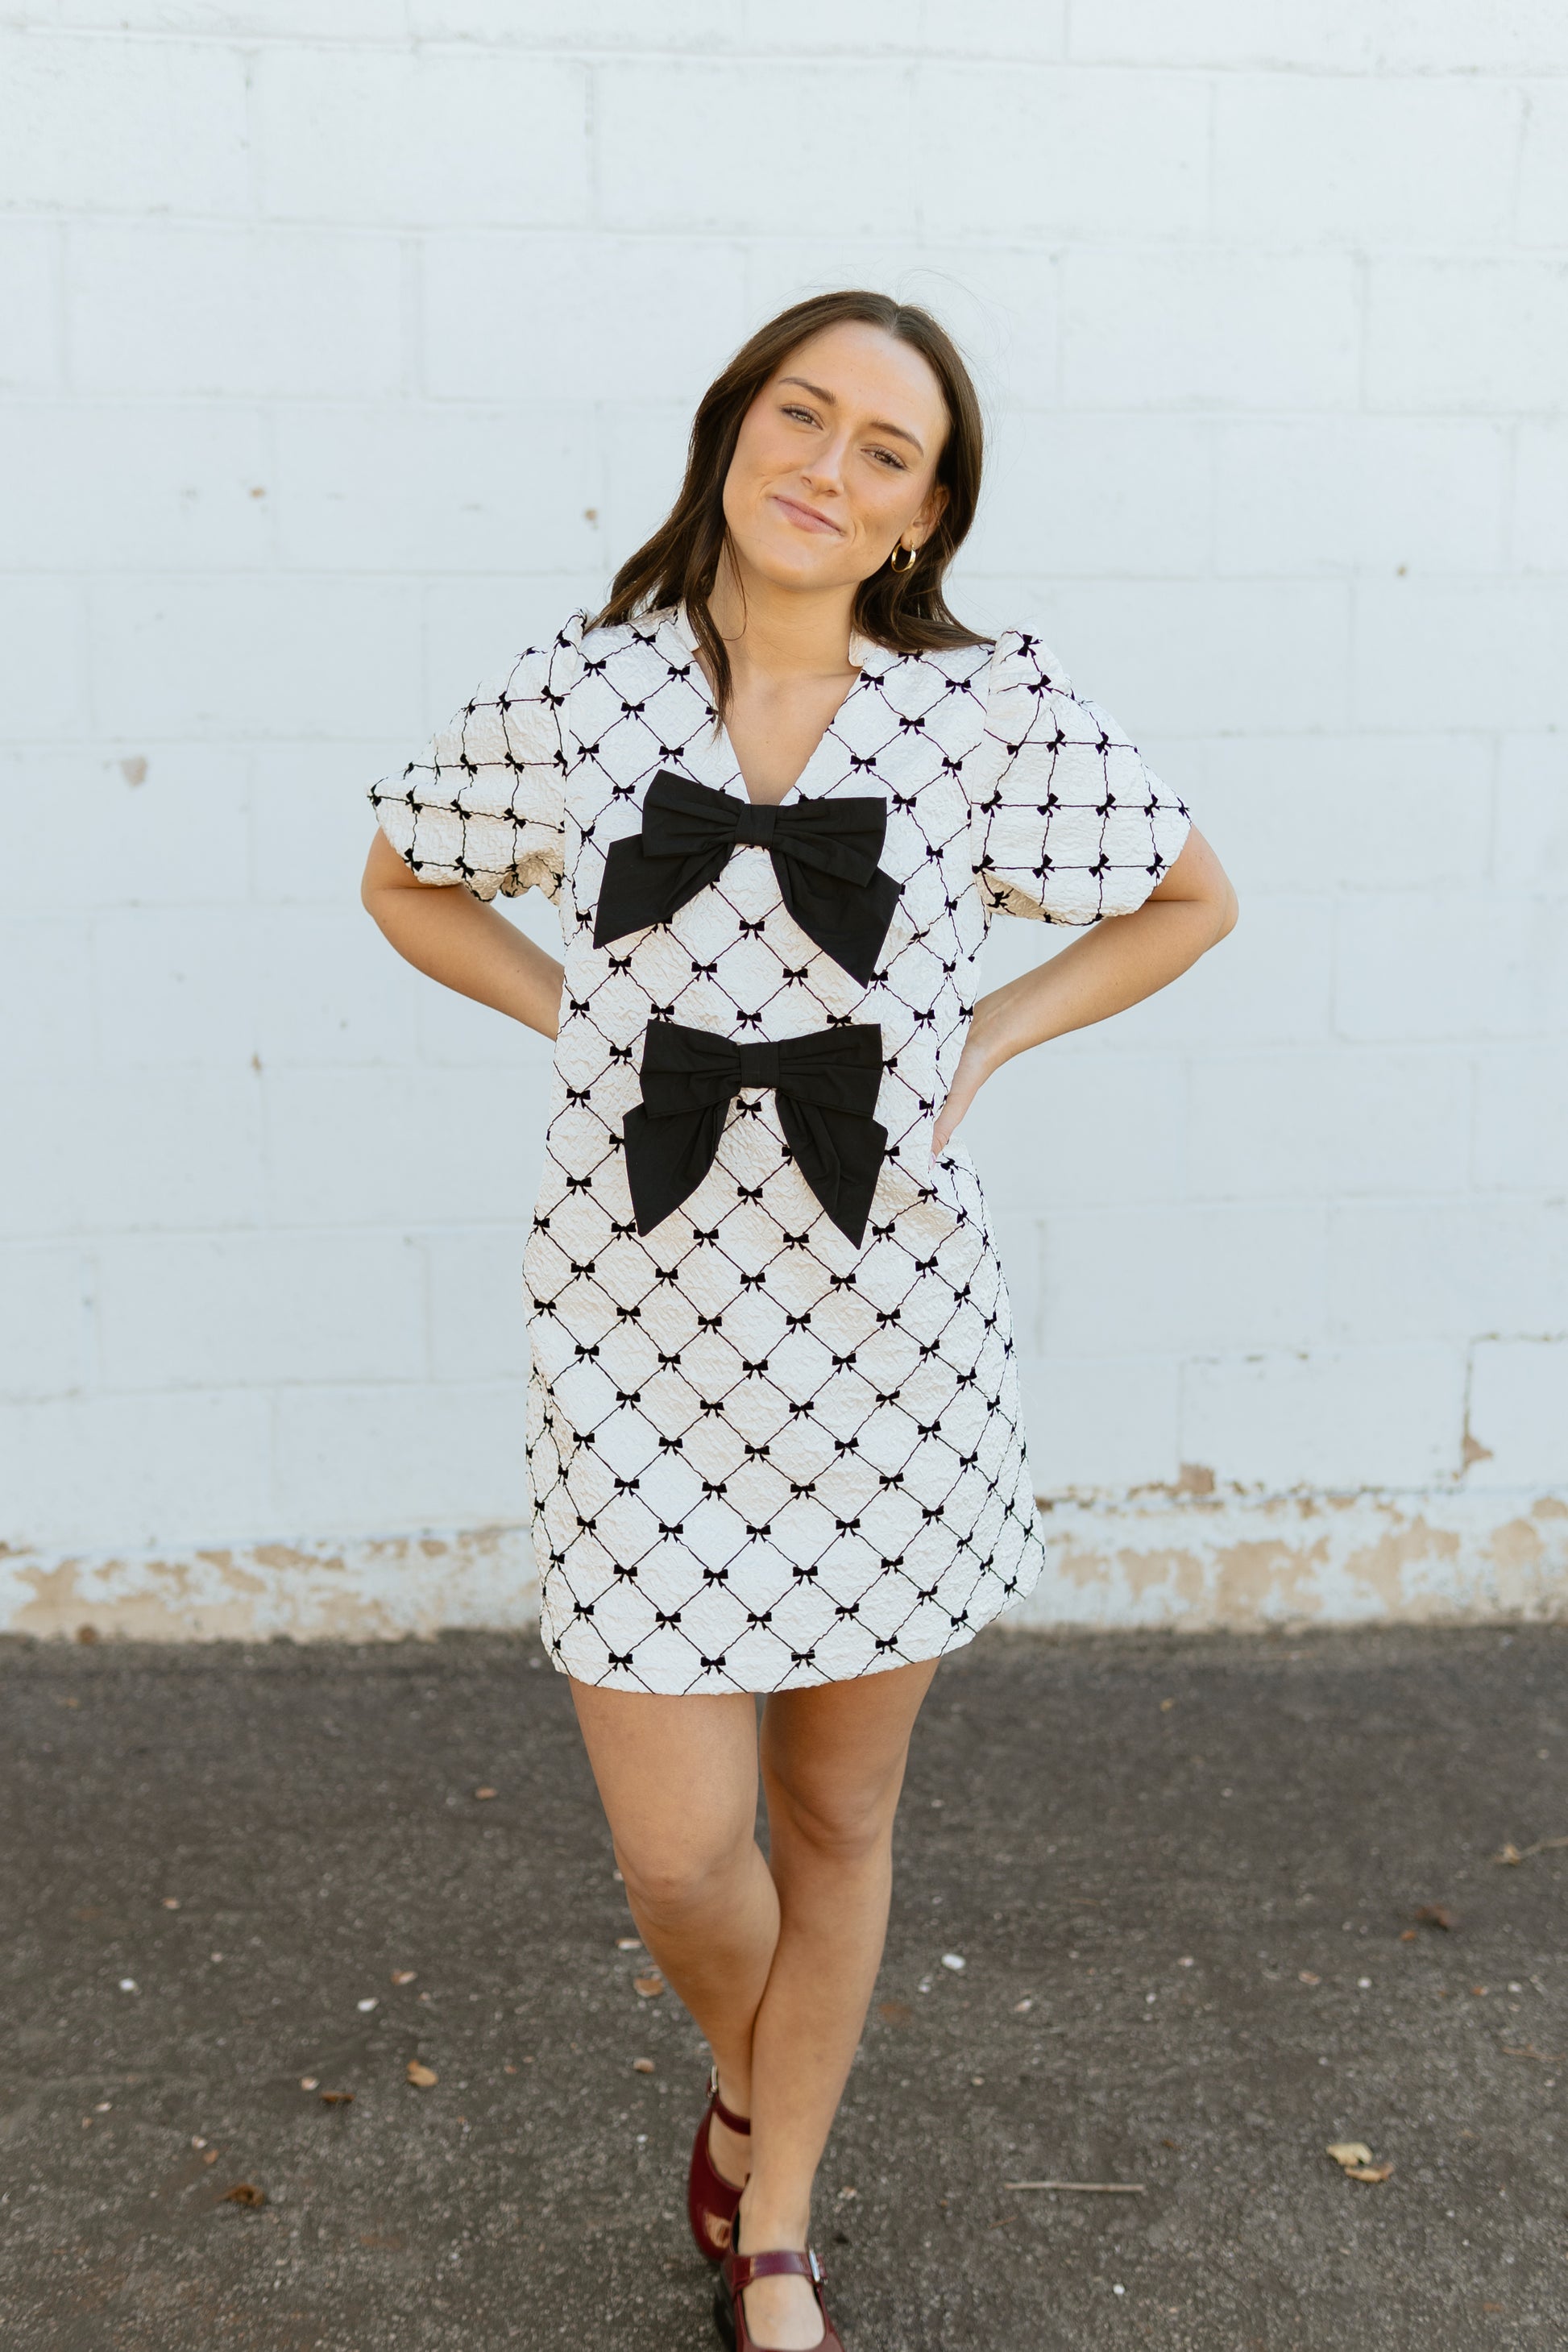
678,1781
833,1764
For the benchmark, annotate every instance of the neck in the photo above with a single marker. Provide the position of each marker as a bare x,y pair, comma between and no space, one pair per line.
773,633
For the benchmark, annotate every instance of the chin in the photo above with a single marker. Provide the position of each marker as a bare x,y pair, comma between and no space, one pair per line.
786,563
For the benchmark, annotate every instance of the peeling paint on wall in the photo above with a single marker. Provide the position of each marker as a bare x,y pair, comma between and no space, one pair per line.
1192,1560
1185,1559
373,1588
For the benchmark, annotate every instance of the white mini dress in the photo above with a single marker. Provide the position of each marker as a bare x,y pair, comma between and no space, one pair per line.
774,1442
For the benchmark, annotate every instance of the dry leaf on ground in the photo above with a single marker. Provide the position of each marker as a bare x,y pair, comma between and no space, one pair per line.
1348,2151
422,2077
1523,1853
1306,1976
404,1976
484,1792
1435,1914
649,1988
337,2098
642,2066
1368,2171
1085,2188
245,2192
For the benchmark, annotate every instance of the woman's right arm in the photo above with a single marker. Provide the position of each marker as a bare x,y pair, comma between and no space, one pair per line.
451,936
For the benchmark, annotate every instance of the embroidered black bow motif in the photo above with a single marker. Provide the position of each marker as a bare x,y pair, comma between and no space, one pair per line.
825,855
826,1087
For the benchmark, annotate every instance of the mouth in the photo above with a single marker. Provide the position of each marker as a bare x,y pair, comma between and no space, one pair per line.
806,518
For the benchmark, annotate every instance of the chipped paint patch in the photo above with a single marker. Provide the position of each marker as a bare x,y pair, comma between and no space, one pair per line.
1194,1559
372,1589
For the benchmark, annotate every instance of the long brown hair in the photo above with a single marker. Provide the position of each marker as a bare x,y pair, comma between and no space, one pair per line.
905,610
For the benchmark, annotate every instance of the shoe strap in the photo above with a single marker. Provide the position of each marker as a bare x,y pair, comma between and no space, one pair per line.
785,2262
727,2116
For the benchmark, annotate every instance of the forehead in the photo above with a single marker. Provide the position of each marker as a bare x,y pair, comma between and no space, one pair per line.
868,370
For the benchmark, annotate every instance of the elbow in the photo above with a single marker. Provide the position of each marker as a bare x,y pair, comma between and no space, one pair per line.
1225,914
384,872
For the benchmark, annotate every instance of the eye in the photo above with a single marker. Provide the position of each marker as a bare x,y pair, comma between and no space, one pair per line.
892,459
805,415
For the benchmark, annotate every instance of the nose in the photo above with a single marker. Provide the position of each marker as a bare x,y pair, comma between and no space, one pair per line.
824,469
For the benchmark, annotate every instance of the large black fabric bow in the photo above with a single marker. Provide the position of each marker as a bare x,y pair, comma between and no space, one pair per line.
826,1087
825,855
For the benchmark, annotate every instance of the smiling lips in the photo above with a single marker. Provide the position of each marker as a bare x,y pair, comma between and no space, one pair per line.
806,516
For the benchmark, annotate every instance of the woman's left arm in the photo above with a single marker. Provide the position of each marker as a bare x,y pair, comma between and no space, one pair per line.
1121,960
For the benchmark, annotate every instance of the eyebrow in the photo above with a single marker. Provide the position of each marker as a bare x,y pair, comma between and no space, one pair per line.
878,425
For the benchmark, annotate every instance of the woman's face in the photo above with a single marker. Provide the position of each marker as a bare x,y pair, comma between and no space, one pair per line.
836,461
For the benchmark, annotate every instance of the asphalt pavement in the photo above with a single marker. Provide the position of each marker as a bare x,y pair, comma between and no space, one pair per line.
1220,1904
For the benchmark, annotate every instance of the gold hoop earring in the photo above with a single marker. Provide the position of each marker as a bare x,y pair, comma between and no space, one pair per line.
912,552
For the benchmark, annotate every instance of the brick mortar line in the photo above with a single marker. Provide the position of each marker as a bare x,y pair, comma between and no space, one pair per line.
1328,245
258,42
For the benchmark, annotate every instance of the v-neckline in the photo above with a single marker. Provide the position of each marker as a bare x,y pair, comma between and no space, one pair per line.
723,751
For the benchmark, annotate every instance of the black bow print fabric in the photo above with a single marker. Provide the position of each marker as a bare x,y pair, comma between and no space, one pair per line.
826,1087
825,855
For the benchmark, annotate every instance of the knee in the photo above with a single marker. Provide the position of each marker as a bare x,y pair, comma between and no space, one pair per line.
844,1826
669,1884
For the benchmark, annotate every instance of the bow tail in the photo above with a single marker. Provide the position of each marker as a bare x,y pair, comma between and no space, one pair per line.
638,891
847,923
840,1153
667,1158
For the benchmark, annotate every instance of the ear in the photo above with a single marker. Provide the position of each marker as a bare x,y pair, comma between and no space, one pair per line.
931,513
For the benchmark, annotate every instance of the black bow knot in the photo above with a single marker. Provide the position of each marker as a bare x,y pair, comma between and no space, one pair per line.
826,1087
824,853
759,1063
755,825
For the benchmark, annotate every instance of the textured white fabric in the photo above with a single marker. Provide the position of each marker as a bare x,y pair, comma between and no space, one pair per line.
762,1458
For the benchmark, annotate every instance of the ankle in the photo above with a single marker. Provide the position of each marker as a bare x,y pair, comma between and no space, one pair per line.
767,2223
734,2090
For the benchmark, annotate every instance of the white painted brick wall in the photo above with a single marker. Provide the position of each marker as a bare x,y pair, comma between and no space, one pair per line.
344,349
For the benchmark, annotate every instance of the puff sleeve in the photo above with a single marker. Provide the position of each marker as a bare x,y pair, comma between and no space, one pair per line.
483,804
1075,824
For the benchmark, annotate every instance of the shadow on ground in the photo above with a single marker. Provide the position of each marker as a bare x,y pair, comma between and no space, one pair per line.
1182,1878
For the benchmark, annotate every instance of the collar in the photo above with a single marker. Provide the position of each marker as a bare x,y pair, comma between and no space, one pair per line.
673,628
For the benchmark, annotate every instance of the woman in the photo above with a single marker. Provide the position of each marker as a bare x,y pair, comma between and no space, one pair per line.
777,790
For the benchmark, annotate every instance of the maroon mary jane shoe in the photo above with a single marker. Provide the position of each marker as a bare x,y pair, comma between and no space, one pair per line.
711,2201
736,2276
